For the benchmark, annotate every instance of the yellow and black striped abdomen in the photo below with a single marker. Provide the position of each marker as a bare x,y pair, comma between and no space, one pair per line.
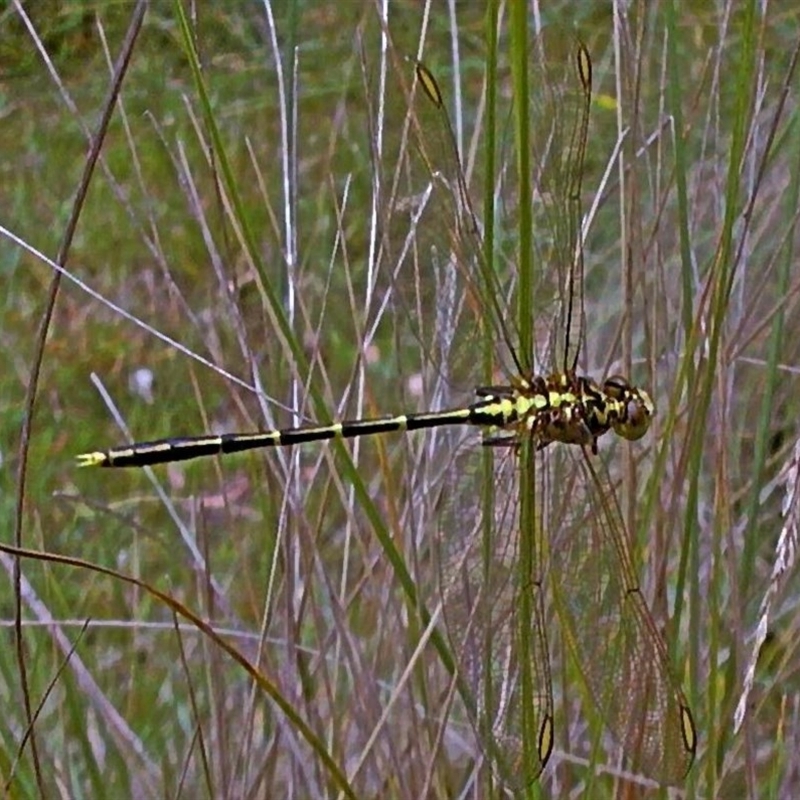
561,408
485,412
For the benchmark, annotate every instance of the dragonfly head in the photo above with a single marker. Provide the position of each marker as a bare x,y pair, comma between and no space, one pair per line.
635,408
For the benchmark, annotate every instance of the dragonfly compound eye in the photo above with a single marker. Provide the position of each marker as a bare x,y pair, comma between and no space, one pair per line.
634,409
639,410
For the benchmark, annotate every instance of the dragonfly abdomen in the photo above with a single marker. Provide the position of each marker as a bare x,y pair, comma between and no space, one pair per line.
564,408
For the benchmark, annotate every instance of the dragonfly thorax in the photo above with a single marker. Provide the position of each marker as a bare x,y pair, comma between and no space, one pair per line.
563,407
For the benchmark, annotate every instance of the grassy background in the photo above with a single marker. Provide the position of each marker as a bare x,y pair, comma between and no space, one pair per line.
189,226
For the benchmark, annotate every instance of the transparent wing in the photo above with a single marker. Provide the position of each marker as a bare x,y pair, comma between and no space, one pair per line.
609,629
561,78
558,114
492,596
454,303
436,235
491,552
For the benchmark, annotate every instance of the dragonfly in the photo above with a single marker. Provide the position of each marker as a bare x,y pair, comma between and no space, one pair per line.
556,521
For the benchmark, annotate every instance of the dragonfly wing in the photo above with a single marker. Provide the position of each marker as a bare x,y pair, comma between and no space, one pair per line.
437,149
619,651
431,240
495,623
558,118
